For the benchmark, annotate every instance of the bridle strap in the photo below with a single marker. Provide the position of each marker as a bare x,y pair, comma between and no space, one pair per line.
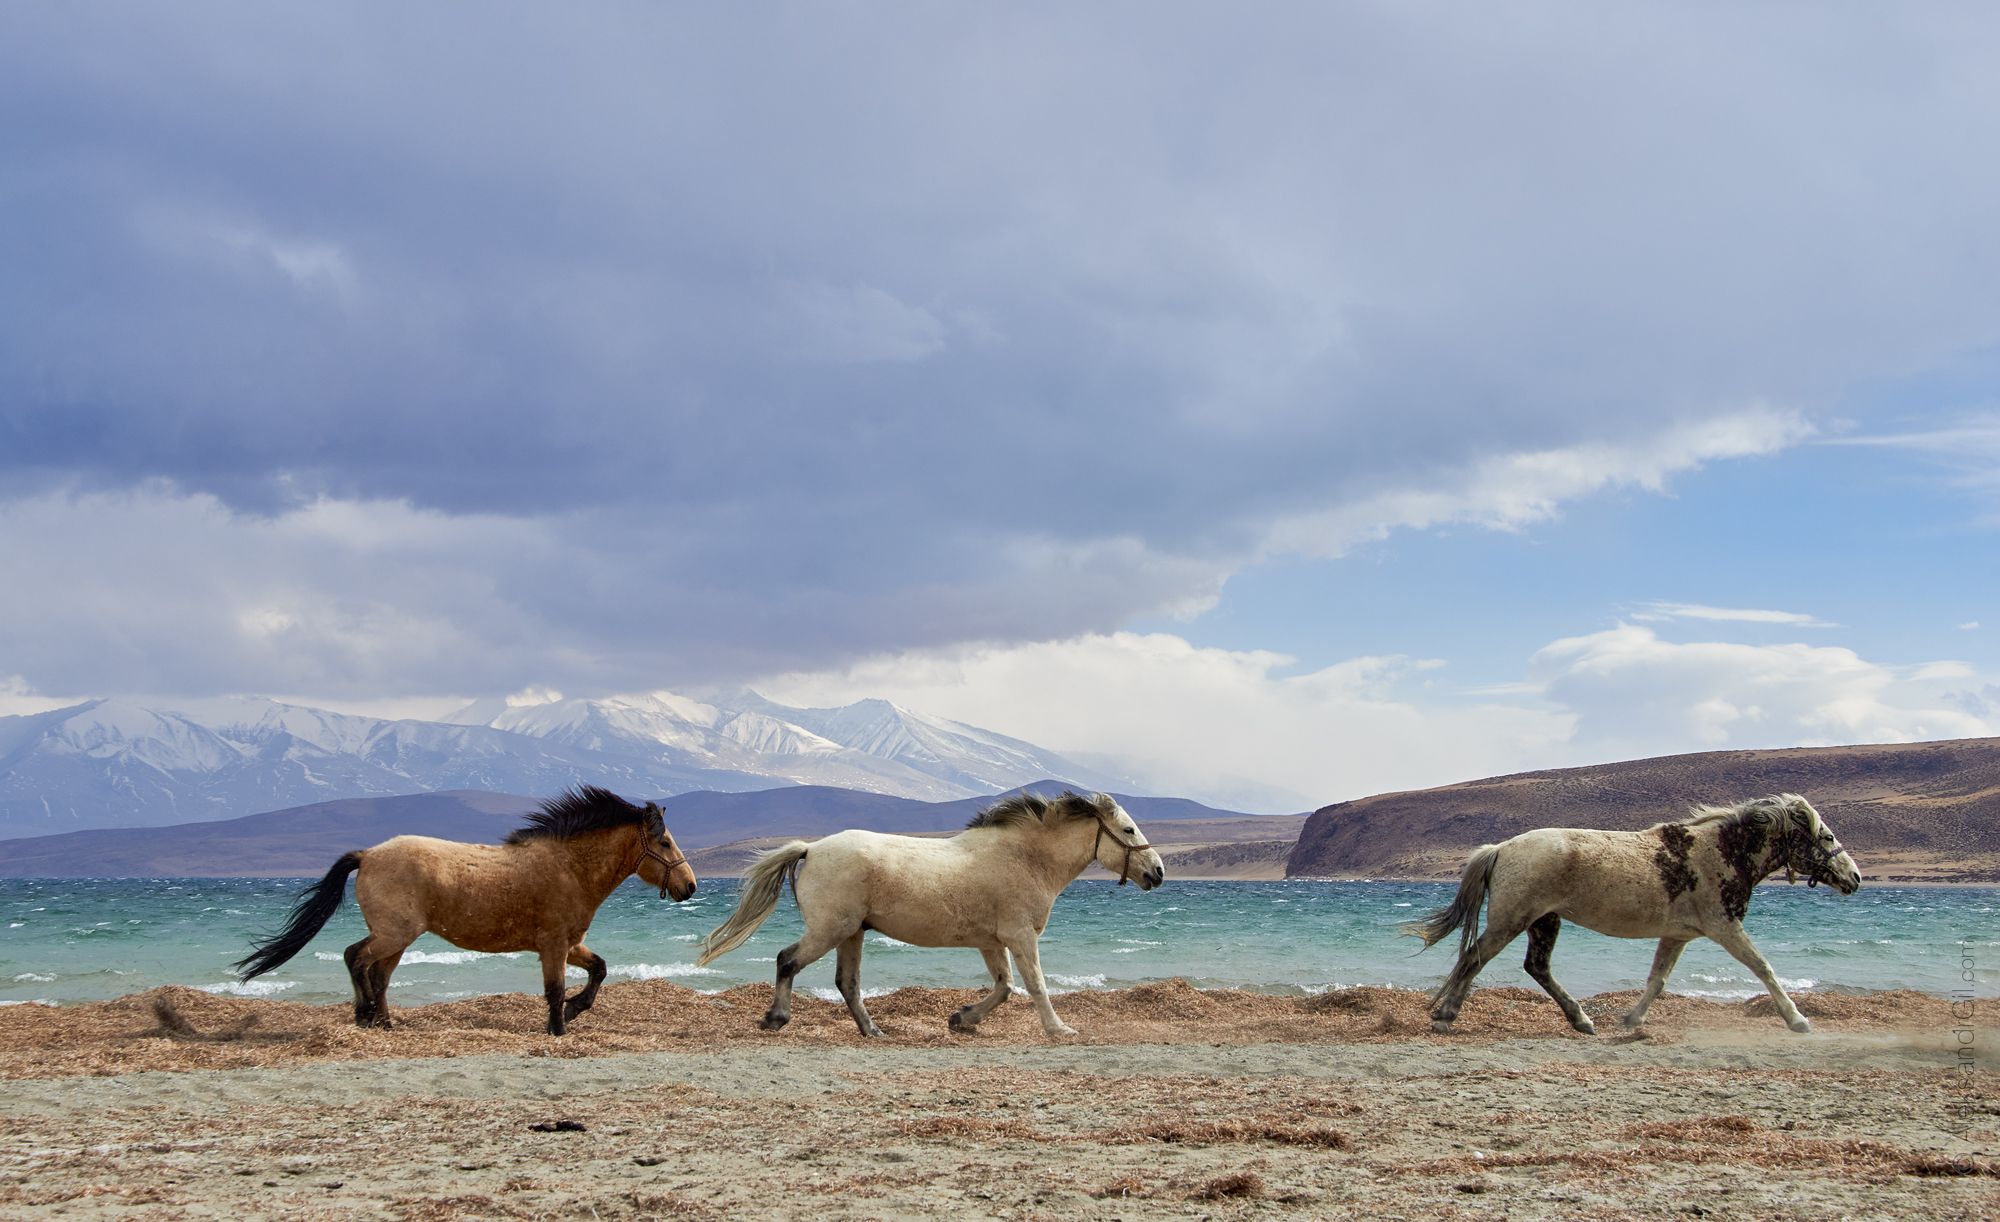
1819,865
665,865
1125,870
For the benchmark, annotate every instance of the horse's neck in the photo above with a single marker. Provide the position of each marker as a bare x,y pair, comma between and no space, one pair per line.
600,860
1068,849
1760,862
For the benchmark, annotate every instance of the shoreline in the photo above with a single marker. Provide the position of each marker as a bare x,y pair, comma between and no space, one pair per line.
1171,1101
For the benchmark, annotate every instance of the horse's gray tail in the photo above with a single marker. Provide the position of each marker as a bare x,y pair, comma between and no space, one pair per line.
315,905
1462,913
761,888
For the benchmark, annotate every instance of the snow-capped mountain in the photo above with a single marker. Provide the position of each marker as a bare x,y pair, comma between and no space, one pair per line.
128,763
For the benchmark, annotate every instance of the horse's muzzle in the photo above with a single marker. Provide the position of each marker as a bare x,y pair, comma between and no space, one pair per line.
1152,878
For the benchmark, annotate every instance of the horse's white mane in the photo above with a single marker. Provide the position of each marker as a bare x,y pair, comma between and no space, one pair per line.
1776,806
1034,810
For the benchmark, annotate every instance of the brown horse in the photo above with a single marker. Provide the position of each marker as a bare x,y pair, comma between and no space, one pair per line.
537,891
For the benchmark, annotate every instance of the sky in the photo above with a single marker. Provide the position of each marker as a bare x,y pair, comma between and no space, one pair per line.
1283,403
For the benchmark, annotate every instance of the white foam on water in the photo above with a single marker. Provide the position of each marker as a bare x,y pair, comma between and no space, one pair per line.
661,971
17,924
250,988
33,978
1077,982
456,956
687,937
32,1001
834,994
883,939
1138,942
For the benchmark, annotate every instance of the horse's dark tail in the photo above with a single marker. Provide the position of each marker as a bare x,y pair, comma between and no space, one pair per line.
1462,913
315,905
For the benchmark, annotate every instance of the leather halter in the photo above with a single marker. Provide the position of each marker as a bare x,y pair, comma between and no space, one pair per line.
1819,858
666,866
1125,872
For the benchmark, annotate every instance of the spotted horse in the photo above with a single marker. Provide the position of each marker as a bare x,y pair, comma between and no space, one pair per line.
1672,881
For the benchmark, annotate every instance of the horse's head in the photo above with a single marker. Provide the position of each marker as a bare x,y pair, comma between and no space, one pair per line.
1122,848
661,862
1811,849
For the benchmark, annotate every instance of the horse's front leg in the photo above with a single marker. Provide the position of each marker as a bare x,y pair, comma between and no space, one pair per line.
553,962
593,963
1027,956
1668,954
1732,938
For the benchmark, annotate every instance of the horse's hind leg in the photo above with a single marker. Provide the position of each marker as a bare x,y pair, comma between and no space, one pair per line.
1444,1008
593,963
364,992
1732,939
378,984
791,961
847,975
1541,942
968,1018
1664,959
369,963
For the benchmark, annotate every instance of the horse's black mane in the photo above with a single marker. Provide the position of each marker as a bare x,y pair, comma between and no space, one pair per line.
1023,809
582,810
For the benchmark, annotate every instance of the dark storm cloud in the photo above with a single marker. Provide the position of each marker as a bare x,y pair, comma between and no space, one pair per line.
822,330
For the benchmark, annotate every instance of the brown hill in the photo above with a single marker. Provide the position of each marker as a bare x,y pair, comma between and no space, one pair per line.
1909,812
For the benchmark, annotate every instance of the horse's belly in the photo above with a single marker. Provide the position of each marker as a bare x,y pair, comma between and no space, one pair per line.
930,931
1639,921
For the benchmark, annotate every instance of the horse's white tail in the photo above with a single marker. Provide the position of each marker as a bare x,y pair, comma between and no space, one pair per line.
761,888
1462,913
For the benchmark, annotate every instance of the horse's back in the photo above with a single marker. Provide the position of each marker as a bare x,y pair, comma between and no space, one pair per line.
1604,880
917,889
461,891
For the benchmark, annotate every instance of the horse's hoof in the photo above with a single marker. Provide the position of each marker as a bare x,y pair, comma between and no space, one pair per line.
1441,1025
1801,1026
1632,1022
871,1032
1059,1030
959,1024
1585,1026
773,1022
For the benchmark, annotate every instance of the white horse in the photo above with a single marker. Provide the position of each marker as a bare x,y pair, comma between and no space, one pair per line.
1673,881
990,888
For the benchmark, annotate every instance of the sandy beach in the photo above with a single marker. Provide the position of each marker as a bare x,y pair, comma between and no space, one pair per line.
1172,1102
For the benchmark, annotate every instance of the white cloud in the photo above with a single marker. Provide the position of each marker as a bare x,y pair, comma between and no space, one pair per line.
1741,615
1634,694
1971,625
1516,490
18,698
1226,725
1234,728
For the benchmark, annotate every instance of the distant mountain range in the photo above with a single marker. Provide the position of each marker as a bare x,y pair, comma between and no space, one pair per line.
128,763
1913,812
305,840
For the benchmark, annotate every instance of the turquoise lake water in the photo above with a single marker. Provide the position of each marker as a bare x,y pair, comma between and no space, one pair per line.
69,941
